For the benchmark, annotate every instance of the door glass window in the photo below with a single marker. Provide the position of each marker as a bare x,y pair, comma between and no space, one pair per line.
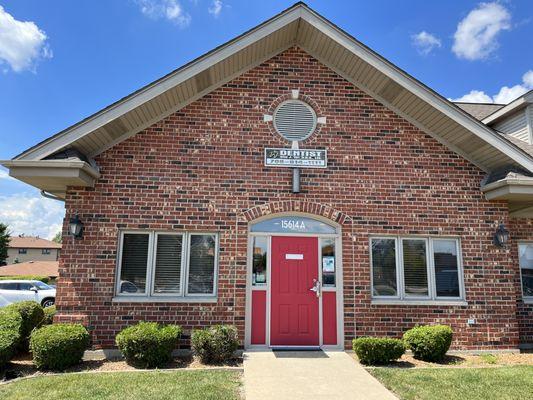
328,261
25,286
9,286
259,259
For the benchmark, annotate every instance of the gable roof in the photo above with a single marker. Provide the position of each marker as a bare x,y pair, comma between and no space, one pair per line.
479,110
300,26
36,268
30,242
515,105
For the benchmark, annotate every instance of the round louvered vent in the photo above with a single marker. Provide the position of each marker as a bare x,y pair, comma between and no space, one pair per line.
294,120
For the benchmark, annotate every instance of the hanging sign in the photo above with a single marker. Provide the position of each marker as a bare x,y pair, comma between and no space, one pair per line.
293,158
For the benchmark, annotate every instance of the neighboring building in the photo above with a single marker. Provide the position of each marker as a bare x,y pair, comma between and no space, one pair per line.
32,268
29,248
190,217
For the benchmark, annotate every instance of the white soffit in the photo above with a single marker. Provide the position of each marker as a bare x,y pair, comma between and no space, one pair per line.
300,26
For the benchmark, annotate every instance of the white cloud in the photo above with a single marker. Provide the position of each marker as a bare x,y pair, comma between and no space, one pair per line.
476,35
168,9
505,94
22,43
31,214
425,42
216,8
4,174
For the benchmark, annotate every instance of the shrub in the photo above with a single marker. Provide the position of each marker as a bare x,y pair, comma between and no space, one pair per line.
44,279
216,344
58,346
148,344
49,313
378,350
429,343
10,329
32,315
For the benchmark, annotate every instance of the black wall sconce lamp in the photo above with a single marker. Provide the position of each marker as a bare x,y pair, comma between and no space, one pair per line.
501,236
75,227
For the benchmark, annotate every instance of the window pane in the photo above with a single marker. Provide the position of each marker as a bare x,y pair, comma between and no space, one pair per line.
446,268
134,262
25,286
384,267
202,264
259,270
415,273
328,262
525,252
168,264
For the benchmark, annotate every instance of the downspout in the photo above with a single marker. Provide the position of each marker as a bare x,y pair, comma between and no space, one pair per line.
51,196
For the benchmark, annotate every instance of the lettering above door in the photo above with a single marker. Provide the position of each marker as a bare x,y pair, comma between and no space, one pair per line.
293,224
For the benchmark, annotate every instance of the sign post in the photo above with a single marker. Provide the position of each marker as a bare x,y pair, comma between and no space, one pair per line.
296,158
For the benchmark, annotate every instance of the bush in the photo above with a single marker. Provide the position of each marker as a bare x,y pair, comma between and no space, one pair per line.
216,344
148,344
10,334
378,350
44,279
32,315
58,346
429,343
49,313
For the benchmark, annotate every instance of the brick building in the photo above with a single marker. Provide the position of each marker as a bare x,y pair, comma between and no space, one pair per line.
294,183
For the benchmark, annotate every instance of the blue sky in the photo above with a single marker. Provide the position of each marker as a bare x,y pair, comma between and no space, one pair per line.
63,60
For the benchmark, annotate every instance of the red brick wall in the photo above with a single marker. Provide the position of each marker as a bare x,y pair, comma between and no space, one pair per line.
202,168
522,230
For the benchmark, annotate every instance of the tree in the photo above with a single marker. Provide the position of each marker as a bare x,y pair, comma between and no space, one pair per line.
58,238
4,243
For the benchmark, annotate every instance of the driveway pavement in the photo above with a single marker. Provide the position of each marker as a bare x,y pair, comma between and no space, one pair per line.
309,375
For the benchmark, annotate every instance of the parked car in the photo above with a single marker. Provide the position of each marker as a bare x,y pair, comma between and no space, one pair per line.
13,291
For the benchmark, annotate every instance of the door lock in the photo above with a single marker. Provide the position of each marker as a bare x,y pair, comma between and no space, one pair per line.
316,287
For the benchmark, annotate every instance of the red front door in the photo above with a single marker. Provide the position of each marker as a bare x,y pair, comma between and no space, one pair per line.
294,307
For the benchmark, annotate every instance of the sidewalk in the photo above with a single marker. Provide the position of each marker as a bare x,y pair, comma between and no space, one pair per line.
308,375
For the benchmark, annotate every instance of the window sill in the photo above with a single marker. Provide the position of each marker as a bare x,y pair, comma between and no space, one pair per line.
395,302
164,299
527,300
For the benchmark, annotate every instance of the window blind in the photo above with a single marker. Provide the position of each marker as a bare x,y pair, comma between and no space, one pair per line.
446,268
168,264
201,264
415,272
134,263
384,267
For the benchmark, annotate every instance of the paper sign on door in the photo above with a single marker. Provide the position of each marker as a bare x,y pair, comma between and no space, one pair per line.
294,256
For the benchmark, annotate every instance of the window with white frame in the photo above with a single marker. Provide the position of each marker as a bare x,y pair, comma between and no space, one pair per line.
416,268
525,260
167,264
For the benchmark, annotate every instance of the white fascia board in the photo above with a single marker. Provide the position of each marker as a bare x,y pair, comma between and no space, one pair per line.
509,108
43,165
400,77
157,88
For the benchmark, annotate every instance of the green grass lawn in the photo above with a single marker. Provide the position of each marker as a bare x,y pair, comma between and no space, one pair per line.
156,385
502,383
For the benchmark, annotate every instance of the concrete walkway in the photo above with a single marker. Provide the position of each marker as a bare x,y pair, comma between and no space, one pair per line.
308,375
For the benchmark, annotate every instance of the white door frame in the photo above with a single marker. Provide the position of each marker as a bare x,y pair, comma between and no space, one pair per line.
339,300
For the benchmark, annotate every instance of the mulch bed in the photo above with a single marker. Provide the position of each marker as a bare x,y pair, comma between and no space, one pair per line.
465,361
22,366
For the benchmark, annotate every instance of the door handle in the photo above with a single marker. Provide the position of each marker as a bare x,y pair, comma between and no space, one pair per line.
316,287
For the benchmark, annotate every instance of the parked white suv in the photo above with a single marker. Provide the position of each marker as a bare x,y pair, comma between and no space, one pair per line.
13,291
